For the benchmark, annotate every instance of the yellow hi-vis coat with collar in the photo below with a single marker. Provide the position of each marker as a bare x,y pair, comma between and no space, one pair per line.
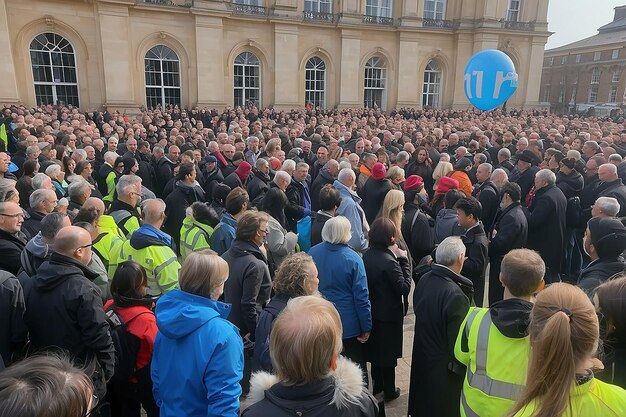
194,237
496,366
159,261
107,245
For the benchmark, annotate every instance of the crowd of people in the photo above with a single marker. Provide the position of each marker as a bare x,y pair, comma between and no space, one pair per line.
262,262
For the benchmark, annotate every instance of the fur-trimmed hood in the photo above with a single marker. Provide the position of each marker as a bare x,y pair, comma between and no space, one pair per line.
346,380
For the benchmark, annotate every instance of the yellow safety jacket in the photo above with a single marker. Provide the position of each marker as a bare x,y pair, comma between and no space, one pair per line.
194,236
496,366
4,136
159,261
107,245
594,398
126,222
110,182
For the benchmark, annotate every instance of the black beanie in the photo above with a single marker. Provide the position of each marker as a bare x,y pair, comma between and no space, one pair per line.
608,236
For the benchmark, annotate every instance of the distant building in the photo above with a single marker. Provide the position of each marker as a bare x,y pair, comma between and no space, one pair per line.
128,54
588,73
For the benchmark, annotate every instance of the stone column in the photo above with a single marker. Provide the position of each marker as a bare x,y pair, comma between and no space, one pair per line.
286,67
210,61
116,55
464,52
8,86
351,70
408,80
532,76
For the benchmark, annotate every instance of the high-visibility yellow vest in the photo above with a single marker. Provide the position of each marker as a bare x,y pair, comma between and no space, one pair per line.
107,245
160,263
194,236
496,366
126,222
111,181
3,136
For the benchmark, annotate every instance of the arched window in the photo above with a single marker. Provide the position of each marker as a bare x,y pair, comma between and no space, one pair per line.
375,94
162,77
247,82
54,70
315,83
432,85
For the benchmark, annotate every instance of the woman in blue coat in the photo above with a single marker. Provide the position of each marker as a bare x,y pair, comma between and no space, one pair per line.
344,283
198,355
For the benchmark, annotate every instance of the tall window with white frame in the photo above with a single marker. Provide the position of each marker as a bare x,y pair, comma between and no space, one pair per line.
318,6
54,70
375,80
163,86
431,89
315,83
613,94
247,80
595,85
378,8
512,11
435,9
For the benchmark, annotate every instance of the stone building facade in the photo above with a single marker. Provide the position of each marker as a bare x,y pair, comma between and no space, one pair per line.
588,73
127,54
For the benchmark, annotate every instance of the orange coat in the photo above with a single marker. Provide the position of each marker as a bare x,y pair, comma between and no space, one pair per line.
465,184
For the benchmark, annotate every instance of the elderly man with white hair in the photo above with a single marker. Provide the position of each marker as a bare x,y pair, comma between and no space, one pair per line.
350,208
605,207
546,223
124,208
611,186
42,202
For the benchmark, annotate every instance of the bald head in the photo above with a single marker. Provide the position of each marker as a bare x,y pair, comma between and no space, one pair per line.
95,203
154,212
74,242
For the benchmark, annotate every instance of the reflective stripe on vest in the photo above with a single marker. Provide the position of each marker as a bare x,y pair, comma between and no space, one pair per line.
479,379
466,408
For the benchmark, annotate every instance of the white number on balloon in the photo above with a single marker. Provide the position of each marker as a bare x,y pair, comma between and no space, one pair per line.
500,79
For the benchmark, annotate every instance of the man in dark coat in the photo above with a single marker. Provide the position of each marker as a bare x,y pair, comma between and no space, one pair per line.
259,182
13,332
328,175
441,301
524,174
64,309
475,241
212,176
546,223
605,241
12,240
43,203
163,170
611,186
374,191
487,193
249,284
239,177
298,196
509,231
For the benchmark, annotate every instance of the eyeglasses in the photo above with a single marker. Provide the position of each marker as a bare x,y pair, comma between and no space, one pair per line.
13,216
85,246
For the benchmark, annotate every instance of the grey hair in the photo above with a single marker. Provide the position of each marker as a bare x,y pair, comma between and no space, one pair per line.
337,230
81,152
615,157
152,209
608,205
158,150
281,175
302,165
110,157
402,156
593,144
32,149
548,176
39,179
344,174
38,196
261,162
488,167
504,152
574,154
7,186
77,188
125,182
251,139
449,251
288,164
343,165
53,169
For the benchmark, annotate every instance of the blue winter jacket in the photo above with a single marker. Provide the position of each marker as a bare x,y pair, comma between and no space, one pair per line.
198,357
343,282
224,234
350,208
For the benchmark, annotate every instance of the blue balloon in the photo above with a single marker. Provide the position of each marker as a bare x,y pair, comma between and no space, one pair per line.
489,79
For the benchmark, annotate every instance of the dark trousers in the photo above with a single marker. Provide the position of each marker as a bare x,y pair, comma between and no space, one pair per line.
355,351
384,379
496,290
127,400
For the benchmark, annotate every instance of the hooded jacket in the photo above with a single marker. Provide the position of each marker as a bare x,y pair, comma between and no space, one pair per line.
258,184
223,234
598,272
64,310
350,208
248,286
210,179
446,225
343,393
204,379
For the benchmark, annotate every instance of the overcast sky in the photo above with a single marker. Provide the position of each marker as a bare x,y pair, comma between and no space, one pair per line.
573,20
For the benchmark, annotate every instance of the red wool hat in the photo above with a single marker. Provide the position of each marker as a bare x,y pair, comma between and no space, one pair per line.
413,182
379,171
243,170
446,184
